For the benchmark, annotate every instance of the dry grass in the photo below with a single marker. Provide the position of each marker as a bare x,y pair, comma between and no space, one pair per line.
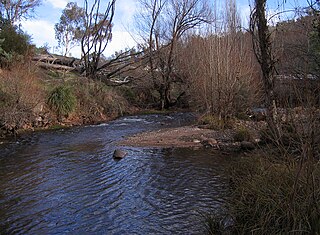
273,198
21,95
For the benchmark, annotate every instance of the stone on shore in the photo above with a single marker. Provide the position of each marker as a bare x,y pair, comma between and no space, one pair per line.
119,154
210,142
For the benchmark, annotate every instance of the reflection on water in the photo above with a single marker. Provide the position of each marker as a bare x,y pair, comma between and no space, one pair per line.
67,182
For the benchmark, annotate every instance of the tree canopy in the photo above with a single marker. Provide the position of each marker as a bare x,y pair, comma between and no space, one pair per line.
15,10
69,30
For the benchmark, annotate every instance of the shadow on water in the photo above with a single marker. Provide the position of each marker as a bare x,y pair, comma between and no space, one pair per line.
65,181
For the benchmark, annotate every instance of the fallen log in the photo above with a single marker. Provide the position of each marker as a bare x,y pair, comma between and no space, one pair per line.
54,66
56,59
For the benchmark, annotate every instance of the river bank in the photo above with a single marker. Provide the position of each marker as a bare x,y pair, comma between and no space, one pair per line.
192,135
48,121
197,136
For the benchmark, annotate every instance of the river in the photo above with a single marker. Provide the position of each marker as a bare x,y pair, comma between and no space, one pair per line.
66,182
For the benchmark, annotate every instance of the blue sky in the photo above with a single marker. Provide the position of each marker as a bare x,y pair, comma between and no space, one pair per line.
41,27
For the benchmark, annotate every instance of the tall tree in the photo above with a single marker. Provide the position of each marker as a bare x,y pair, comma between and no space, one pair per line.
69,30
263,49
164,24
15,10
97,34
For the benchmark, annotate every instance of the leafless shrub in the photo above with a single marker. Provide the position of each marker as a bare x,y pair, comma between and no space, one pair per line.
21,96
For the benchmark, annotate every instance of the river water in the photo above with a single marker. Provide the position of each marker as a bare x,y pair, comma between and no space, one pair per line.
66,182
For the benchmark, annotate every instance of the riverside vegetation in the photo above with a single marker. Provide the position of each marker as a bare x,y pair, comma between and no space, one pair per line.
31,99
228,72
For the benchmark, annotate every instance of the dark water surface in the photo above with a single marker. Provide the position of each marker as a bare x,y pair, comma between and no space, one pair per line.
66,182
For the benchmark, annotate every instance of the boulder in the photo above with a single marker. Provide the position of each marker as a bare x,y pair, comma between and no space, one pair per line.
119,154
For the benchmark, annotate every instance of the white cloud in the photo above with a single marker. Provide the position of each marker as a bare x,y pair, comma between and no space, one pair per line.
120,41
41,31
124,15
58,3
127,9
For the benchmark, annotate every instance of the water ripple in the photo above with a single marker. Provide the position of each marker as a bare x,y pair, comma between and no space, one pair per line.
67,182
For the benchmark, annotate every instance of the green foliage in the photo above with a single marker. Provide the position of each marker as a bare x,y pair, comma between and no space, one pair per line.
14,43
69,30
129,94
242,134
62,100
44,49
96,100
15,40
289,137
4,56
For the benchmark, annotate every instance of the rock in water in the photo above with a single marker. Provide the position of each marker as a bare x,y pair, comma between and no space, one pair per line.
119,154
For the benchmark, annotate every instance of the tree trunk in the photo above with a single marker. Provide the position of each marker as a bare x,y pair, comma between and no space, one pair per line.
264,55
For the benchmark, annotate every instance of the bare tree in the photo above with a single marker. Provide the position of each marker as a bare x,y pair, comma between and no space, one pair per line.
220,67
262,44
15,10
167,21
96,35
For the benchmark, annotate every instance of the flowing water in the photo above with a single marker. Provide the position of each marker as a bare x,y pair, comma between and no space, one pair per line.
66,182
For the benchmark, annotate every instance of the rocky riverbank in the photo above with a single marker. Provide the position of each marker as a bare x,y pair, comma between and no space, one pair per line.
48,120
198,137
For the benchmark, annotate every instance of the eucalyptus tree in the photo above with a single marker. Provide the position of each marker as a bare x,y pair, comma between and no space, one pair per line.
69,30
14,10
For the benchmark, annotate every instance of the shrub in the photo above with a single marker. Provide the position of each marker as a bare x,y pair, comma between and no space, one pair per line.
215,123
242,134
62,100
5,99
14,43
98,101
20,94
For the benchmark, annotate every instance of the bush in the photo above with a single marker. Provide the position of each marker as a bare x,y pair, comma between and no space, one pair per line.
62,100
242,134
14,44
98,101
5,99
215,123
20,94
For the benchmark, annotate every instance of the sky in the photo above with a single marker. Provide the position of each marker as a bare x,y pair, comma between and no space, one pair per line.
41,26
